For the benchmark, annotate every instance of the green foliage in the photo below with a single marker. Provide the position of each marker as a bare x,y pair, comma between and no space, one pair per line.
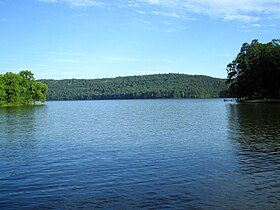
137,87
3,93
255,72
21,89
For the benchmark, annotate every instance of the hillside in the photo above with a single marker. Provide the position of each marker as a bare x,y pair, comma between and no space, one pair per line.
137,87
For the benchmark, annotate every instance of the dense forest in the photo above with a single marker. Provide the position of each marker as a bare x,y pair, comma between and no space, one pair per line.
255,72
137,87
21,89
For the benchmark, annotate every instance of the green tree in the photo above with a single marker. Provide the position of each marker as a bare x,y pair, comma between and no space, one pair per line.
3,94
136,87
21,89
255,72
13,88
39,92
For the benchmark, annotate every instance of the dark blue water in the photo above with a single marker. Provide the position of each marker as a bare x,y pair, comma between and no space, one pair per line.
140,154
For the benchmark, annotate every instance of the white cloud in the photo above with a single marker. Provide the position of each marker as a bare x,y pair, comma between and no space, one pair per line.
256,25
142,12
241,18
167,14
77,3
154,2
173,15
49,1
248,11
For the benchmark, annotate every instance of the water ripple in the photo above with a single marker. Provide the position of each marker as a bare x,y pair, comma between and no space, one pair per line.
140,154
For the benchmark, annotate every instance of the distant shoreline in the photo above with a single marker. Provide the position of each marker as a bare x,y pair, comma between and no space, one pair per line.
19,105
137,87
260,101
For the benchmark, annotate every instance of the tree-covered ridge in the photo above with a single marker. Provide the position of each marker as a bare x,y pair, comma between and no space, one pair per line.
137,87
21,89
255,72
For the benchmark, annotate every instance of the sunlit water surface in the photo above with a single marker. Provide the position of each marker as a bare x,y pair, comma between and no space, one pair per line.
129,154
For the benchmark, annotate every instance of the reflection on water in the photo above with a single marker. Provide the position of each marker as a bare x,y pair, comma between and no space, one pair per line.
15,121
18,138
254,130
256,127
19,123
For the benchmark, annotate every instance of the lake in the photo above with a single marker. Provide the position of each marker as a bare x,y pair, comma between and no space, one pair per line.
140,154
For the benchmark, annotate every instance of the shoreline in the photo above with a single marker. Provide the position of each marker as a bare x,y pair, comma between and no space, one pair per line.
25,105
260,101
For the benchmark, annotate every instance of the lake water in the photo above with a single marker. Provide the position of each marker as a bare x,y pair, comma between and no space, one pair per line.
140,154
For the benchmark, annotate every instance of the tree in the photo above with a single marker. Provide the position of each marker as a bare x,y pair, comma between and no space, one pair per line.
13,88
3,94
255,72
40,91
21,89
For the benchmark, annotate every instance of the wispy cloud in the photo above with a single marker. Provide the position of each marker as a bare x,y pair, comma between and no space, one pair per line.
247,11
142,12
167,14
77,3
241,18
49,1
256,25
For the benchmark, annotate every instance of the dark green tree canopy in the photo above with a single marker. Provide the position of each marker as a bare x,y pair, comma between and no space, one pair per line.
21,89
255,72
137,87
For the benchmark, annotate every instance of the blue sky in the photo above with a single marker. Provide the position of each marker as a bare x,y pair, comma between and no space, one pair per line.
59,39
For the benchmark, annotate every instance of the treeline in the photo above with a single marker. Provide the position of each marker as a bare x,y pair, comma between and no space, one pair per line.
21,89
137,87
255,72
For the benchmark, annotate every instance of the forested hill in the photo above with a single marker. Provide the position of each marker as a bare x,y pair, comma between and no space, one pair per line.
137,87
